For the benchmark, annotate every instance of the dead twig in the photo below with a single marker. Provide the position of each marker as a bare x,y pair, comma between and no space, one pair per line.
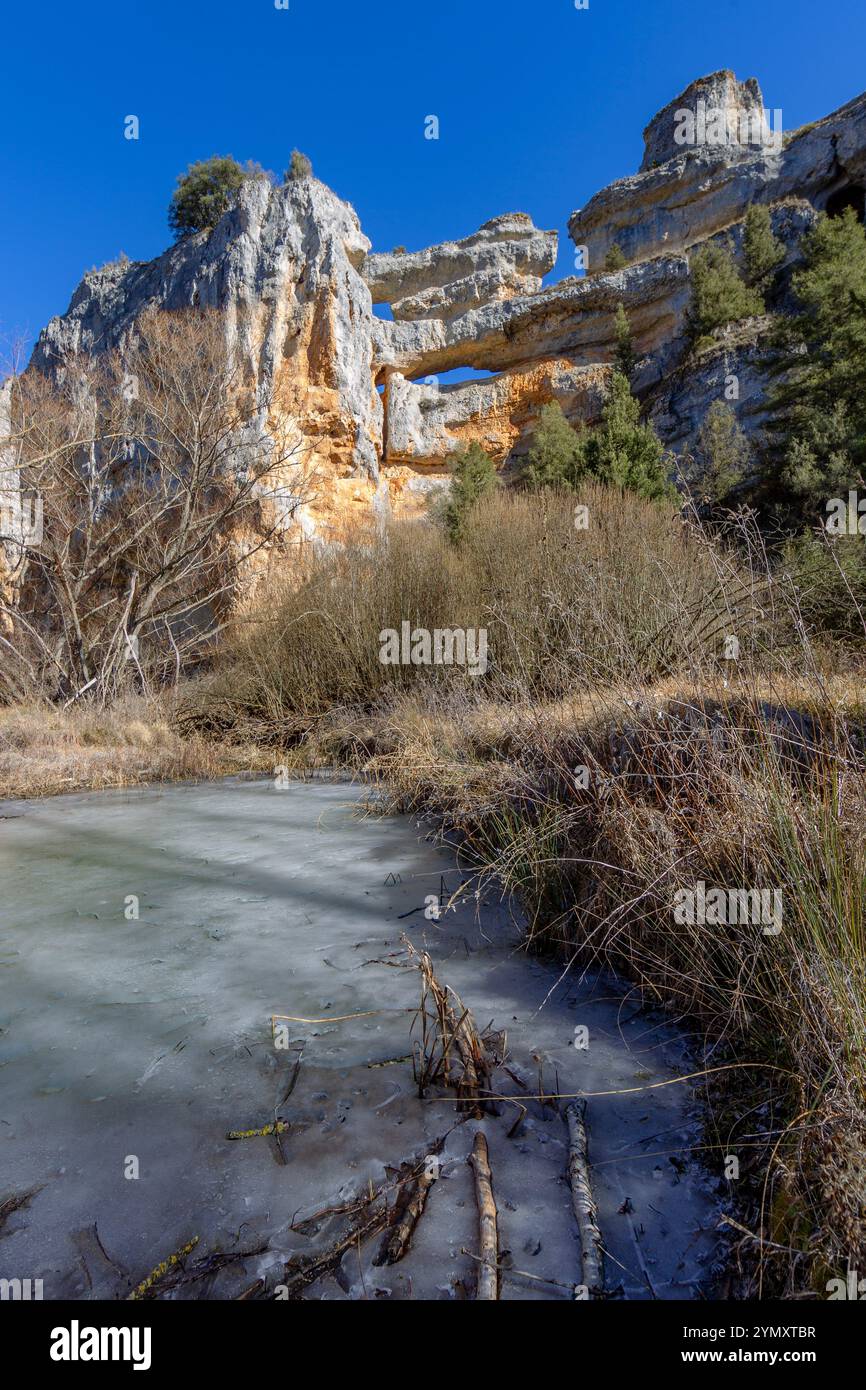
17,1202
412,1207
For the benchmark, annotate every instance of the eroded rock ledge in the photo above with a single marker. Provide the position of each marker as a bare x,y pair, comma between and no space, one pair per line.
672,205
507,256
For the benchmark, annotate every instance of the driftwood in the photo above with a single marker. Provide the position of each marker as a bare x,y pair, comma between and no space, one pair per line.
297,1275
488,1281
585,1210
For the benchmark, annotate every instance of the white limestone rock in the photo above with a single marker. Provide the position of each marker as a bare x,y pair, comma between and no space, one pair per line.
507,255
283,265
693,195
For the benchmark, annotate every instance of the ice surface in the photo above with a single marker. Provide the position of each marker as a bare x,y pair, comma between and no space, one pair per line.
151,1039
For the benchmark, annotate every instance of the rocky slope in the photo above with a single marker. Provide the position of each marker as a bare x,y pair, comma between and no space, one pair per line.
298,283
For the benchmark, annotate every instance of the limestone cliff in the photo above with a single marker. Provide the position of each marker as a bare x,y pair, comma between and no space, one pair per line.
283,264
297,281
699,190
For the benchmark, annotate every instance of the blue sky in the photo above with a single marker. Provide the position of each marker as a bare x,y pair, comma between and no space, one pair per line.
539,105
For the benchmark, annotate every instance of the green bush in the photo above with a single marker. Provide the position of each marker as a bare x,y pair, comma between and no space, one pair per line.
830,576
204,193
615,260
474,476
762,251
300,167
719,294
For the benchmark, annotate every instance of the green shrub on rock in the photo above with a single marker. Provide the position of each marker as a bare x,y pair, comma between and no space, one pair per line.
719,293
204,193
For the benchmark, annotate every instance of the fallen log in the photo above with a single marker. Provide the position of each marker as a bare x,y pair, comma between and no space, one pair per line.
585,1210
488,1281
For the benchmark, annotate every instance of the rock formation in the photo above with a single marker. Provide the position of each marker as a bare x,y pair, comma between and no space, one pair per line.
283,264
698,191
505,257
716,114
294,274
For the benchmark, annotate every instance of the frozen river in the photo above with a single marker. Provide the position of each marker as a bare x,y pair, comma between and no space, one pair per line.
147,938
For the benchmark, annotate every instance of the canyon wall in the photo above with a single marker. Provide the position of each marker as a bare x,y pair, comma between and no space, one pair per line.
297,282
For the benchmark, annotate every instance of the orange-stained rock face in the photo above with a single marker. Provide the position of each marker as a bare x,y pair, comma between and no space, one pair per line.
425,423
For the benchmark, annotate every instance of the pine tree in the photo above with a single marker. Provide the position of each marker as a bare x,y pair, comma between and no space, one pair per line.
474,476
626,453
719,294
818,403
556,453
620,451
722,455
762,251
615,260
625,357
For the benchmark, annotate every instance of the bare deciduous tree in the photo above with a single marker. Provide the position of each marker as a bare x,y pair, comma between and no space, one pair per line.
158,483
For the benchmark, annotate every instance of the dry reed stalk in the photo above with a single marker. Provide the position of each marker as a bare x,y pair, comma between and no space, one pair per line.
445,1030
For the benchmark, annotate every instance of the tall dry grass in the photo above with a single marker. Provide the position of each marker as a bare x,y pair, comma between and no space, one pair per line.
610,650
46,750
640,593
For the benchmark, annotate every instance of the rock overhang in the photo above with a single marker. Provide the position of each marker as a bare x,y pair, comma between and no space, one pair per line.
506,253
